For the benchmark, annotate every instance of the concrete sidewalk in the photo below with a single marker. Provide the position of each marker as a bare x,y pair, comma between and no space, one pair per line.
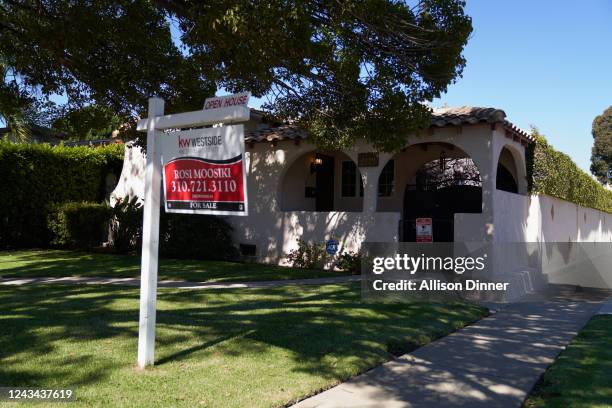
492,363
75,280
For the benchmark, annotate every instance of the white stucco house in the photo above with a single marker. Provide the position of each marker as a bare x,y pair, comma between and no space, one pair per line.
467,172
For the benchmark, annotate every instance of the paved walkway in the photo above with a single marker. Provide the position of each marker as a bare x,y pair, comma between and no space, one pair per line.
492,363
75,280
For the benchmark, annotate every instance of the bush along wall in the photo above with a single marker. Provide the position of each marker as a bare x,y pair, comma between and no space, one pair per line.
180,235
196,237
555,174
35,175
79,225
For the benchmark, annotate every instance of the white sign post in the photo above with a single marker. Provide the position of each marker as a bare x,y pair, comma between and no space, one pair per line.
150,240
228,109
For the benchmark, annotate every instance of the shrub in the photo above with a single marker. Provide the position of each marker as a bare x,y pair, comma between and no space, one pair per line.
126,224
37,174
308,255
554,173
196,237
79,225
180,236
350,262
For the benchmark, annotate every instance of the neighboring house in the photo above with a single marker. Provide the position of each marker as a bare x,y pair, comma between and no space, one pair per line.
467,172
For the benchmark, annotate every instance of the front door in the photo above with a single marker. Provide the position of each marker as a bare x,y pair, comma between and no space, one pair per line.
325,183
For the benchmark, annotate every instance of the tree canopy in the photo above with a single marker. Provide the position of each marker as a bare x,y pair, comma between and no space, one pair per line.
601,154
343,70
89,123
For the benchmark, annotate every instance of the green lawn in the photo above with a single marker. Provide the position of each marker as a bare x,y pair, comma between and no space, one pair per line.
582,374
37,263
229,348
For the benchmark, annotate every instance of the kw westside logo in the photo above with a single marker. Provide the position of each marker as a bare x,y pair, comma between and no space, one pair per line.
201,141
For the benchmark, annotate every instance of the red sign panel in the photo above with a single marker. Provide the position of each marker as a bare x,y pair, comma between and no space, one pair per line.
424,230
201,184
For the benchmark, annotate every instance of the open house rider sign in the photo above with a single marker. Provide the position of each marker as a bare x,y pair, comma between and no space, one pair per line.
204,171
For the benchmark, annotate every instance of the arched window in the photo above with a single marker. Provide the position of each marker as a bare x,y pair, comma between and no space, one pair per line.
506,179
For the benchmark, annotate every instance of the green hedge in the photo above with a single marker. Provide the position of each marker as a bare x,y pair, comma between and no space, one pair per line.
555,174
79,225
196,237
34,175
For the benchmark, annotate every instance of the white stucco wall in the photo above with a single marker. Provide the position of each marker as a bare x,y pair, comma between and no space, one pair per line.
275,236
131,180
469,228
542,239
542,218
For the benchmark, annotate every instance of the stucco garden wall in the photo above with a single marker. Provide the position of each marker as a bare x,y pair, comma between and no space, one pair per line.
276,235
542,218
542,239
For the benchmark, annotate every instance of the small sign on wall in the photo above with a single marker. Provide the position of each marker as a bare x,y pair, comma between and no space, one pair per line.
331,247
424,230
369,159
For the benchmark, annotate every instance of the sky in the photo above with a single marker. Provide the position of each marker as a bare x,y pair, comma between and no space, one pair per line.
545,63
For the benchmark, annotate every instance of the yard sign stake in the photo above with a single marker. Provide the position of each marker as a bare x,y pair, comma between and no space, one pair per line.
150,240
227,109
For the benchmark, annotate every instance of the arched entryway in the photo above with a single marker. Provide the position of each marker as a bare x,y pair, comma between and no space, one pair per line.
322,181
430,180
443,187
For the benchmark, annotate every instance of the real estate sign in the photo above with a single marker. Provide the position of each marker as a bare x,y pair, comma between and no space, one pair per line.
204,171
424,230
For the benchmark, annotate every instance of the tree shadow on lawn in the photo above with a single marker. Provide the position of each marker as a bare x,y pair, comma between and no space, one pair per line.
44,263
317,325
60,263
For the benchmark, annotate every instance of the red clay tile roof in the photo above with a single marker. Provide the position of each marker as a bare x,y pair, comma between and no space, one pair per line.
457,116
266,132
466,115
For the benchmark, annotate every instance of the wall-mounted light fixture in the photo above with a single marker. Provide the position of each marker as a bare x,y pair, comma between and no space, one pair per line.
315,163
